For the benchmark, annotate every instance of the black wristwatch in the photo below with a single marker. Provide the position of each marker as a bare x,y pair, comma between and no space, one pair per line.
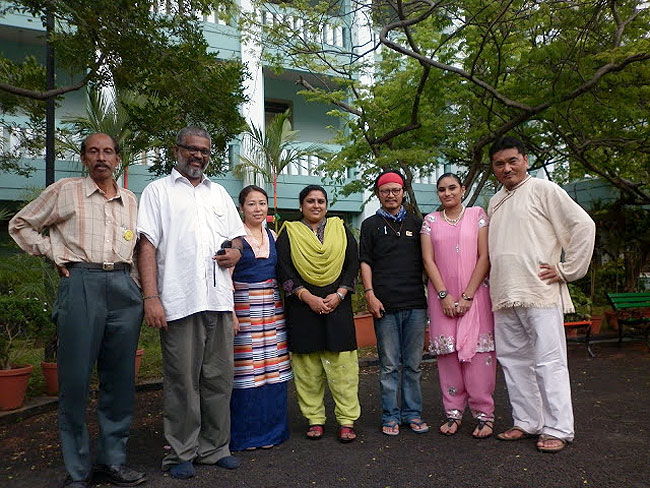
442,294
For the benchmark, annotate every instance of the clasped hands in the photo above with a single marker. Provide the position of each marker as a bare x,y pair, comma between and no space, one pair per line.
322,305
455,308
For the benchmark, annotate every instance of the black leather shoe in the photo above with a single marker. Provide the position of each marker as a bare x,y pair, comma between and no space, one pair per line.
120,475
69,483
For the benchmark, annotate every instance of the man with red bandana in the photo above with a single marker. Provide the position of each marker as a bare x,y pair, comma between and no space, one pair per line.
391,270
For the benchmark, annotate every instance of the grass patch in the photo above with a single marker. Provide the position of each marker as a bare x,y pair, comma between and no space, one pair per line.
152,360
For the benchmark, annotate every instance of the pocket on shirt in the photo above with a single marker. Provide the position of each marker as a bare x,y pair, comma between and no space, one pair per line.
125,244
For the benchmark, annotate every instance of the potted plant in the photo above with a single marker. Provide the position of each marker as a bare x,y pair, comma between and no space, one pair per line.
49,337
33,278
21,319
364,324
577,320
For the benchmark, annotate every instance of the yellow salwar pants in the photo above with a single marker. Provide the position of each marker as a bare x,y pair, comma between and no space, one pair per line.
342,372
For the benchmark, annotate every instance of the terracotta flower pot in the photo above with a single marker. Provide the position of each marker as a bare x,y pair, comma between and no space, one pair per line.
138,360
364,326
51,375
596,322
13,386
612,320
427,339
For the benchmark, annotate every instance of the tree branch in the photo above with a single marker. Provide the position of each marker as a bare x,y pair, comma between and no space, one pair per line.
42,95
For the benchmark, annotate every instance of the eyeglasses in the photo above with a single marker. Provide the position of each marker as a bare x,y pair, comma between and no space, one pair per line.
394,191
194,149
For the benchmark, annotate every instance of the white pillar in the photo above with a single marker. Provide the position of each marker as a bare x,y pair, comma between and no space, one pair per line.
251,56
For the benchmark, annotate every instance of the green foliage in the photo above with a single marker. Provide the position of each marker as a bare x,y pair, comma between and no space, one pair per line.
570,78
32,280
581,303
624,237
105,113
20,319
269,151
359,304
163,58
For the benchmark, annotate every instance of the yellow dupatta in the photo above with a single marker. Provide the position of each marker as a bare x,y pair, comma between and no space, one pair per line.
318,263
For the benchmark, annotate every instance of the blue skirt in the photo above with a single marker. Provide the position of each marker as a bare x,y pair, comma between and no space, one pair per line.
258,416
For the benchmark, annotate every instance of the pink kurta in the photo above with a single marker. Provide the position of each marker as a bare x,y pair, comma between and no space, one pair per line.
464,345
456,252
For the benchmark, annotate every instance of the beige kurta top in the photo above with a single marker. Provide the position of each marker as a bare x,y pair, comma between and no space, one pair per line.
531,225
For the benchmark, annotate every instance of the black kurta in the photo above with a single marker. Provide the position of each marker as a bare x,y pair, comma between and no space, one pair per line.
308,331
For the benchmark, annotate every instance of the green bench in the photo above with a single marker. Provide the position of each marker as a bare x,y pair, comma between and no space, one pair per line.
632,312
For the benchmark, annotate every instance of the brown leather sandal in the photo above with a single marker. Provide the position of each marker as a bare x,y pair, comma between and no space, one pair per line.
507,434
550,449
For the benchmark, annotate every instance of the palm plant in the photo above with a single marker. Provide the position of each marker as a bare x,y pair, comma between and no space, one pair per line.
105,112
270,151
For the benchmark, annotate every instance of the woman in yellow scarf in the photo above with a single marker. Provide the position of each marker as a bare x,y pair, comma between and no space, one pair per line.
317,267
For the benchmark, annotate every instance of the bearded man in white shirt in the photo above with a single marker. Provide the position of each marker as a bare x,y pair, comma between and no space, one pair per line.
533,223
185,223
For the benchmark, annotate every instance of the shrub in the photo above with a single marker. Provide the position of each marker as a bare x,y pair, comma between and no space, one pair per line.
20,319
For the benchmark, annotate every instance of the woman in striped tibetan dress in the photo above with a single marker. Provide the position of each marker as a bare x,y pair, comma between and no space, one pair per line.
262,368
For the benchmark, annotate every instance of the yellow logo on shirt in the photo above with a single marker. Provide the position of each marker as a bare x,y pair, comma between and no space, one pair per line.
128,235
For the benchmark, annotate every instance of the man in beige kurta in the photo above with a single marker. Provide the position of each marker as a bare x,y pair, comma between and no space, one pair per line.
532,222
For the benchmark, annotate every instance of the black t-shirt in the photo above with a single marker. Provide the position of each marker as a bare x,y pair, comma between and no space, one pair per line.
396,261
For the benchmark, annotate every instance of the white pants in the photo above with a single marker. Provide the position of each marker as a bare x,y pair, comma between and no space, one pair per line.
531,347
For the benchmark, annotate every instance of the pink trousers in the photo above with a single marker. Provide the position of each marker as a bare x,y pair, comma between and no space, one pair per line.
468,383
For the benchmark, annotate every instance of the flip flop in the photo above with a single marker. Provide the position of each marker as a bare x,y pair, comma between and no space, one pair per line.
505,436
418,426
393,426
554,449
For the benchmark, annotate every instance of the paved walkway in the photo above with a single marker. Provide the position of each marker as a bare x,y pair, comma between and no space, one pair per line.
611,402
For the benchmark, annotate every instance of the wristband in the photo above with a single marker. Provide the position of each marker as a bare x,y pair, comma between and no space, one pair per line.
299,294
367,290
340,295
465,297
150,296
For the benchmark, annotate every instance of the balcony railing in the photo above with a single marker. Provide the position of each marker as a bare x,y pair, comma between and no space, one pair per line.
331,34
171,7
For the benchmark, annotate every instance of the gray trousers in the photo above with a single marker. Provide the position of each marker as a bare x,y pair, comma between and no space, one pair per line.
198,374
98,315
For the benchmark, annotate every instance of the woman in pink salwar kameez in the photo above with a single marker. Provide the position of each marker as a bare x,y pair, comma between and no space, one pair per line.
455,254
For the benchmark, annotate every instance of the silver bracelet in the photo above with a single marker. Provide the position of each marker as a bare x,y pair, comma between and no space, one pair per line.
340,295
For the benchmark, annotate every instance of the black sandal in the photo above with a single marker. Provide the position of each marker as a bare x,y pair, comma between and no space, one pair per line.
481,425
450,423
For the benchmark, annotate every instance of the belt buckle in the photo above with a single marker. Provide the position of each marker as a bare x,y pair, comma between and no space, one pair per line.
108,266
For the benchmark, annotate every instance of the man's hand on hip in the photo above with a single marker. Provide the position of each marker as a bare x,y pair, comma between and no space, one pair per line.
549,274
